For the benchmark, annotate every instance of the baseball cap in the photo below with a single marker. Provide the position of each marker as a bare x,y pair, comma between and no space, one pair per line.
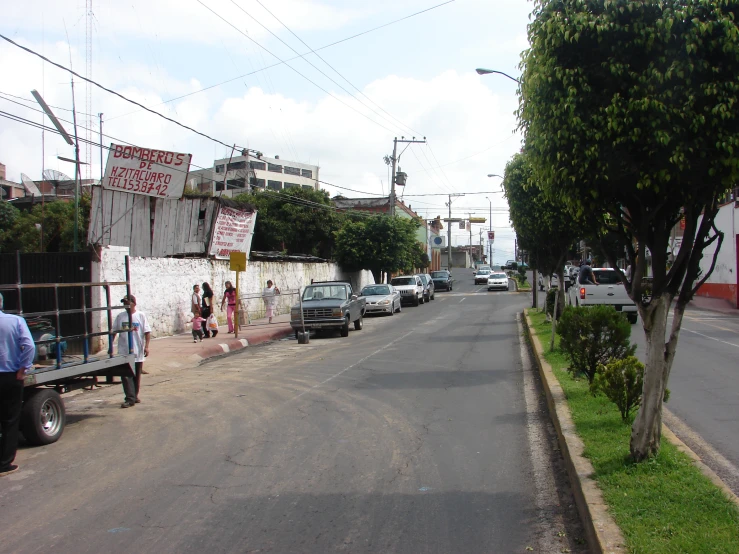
129,299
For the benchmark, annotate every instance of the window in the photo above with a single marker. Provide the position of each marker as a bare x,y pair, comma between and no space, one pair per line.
236,165
308,187
306,173
274,167
292,171
607,277
258,165
219,168
291,185
274,185
257,183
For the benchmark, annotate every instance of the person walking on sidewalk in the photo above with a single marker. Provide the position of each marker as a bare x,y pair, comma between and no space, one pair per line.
269,294
207,308
16,357
229,296
140,336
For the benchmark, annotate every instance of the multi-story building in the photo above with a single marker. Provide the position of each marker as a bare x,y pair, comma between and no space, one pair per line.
245,172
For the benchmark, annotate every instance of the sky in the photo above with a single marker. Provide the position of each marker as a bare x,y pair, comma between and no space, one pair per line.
338,107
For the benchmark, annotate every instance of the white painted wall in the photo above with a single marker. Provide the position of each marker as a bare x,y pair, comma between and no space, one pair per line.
727,221
163,286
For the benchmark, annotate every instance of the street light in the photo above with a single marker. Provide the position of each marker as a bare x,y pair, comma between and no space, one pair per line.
495,175
482,71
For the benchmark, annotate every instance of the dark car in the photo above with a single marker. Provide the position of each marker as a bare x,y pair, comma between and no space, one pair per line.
428,286
442,280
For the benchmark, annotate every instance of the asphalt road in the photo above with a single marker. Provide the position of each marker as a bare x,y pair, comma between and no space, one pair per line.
424,432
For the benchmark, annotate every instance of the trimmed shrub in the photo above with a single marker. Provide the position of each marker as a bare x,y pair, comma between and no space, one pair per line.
522,275
593,336
621,381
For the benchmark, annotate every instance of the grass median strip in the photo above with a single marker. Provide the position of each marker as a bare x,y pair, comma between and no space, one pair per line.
664,505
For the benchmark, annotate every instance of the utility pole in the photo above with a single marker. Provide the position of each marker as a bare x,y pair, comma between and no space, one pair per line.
395,160
449,222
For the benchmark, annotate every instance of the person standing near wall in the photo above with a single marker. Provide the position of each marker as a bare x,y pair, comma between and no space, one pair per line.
207,308
270,301
16,357
196,298
229,296
141,334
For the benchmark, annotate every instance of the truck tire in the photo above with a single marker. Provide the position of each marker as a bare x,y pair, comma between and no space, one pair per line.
416,302
359,323
345,328
632,317
43,417
422,299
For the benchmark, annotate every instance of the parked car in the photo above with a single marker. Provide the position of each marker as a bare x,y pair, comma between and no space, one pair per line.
481,277
498,280
428,286
510,265
609,291
329,305
442,280
381,299
410,288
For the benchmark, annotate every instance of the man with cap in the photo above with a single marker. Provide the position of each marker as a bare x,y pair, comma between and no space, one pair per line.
140,336
16,356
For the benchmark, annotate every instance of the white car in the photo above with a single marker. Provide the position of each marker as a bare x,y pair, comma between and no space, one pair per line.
481,277
410,288
498,281
381,299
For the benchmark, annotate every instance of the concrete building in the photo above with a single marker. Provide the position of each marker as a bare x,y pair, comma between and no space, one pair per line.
237,174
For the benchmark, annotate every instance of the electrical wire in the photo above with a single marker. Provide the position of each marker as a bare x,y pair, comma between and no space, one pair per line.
291,59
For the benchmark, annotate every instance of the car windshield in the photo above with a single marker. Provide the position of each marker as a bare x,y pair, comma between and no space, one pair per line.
439,274
498,276
483,272
607,277
376,290
403,281
323,292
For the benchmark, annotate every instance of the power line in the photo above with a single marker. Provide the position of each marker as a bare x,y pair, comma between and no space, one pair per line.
114,92
292,59
227,22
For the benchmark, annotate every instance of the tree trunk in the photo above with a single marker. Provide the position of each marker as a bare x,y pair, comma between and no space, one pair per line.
646,431
535,291
555,311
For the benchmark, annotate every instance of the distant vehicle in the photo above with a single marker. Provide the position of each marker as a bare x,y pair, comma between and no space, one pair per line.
428,286
381,299
410,288
481,277
442,280
498,281
609,291
329,305
510,264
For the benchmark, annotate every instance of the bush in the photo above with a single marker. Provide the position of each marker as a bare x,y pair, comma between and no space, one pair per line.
522,275
593,336
621,381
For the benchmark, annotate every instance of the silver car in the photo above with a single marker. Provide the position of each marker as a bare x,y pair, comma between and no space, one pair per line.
381,299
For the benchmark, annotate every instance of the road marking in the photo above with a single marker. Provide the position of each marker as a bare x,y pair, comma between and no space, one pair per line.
463,299
710,337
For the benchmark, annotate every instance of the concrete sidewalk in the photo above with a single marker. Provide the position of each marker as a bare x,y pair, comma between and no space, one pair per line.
714,305
179,351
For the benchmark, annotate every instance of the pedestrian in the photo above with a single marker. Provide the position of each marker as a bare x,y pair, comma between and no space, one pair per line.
140,336
207,308
16,358
196,299
268,295
197,325
587,277
229,296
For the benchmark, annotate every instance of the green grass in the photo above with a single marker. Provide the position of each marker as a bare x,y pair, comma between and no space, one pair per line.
662,505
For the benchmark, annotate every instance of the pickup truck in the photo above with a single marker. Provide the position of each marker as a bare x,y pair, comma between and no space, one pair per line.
328,305
609,291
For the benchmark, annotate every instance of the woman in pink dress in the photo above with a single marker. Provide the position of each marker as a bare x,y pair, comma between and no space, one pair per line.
229,298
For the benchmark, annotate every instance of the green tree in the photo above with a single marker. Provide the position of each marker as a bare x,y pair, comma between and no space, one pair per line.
544,227
9,214
629,111
379,243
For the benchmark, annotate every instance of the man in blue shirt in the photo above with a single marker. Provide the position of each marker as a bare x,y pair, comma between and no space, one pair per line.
16,356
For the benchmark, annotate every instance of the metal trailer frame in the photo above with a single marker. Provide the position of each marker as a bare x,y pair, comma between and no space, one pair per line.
43,415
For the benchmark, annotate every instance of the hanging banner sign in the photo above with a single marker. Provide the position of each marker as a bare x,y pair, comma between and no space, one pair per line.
491,235
146,171
232,232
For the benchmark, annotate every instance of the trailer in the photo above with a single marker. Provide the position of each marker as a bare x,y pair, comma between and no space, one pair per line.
57,371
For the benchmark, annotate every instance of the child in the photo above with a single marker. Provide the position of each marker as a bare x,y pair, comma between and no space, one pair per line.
212,325
197,325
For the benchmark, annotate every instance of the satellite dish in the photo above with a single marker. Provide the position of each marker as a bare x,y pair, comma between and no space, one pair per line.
54,175
29,185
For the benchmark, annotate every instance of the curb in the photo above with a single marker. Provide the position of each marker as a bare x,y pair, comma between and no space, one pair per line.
234,345
604,536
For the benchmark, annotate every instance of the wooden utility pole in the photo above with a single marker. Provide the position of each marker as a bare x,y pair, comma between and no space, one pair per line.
395,159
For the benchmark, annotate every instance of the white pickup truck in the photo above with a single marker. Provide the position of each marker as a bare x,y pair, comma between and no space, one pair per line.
609,291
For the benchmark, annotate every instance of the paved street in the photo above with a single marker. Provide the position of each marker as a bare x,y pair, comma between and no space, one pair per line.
424,432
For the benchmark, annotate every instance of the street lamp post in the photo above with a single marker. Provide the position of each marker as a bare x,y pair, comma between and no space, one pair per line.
483,71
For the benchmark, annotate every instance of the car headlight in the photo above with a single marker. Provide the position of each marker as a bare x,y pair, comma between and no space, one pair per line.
337,312
384,302
294,313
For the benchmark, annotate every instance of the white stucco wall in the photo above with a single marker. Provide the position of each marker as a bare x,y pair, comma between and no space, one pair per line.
725,270
163,286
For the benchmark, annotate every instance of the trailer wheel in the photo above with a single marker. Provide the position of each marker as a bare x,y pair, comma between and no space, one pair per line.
43,417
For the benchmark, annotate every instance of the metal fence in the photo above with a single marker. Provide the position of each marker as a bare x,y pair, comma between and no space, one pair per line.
253,305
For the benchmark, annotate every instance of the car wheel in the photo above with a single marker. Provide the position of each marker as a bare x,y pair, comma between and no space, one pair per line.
43,417
296,334
400,306
416,302
433,295
345,328
632,317
359,323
